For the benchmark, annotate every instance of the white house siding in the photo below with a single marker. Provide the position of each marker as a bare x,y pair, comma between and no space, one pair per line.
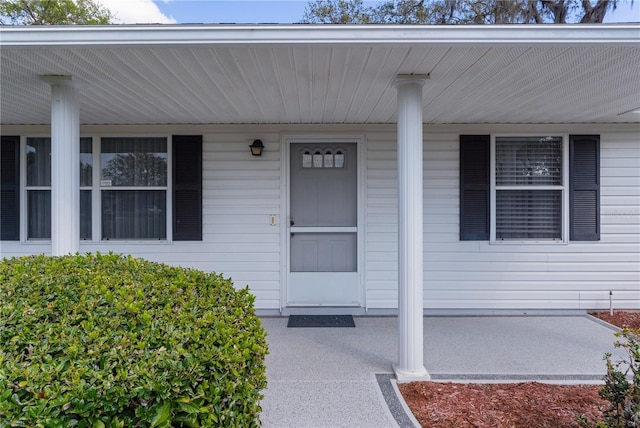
241,192
477,275
382,220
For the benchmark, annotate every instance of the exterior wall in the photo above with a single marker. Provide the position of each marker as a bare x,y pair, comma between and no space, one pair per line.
241,192
480,275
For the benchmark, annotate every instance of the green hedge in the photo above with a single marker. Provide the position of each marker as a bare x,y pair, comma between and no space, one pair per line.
112,341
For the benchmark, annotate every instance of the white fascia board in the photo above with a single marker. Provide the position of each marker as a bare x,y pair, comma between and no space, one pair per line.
308,34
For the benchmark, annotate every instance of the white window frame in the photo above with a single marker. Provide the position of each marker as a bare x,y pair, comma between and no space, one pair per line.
91,187
25,189
97,198
96,191
563,188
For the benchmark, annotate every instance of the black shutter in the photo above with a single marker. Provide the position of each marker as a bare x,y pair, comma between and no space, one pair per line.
584,187
474,187
187,187
10,189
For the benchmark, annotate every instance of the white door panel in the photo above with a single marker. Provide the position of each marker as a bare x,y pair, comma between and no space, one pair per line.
323,242
323,289
324,252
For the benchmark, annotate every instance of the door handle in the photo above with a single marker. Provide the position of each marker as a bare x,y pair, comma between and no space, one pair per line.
291,222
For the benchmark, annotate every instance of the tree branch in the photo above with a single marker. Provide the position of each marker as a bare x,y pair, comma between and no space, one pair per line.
533,12
28,10
595,14
558,9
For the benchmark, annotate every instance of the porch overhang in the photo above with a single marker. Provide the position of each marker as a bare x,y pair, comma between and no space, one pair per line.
318,74
240,74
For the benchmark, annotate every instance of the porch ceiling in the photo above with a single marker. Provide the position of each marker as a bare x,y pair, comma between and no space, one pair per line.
299,80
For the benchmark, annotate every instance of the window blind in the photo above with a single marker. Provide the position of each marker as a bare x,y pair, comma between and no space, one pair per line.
528,161
528,214
134,161
134,214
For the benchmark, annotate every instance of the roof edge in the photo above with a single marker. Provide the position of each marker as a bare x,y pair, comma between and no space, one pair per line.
309,34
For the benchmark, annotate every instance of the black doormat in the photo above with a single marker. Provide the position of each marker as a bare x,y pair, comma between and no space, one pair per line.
321,321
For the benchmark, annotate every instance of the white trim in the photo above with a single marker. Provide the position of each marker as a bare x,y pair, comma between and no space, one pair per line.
285,143
301,229
362,216
168,205
96,213
23,189
566,214
492,189
285,218
96,189
563,188
168,189
410,149
89,187
225,35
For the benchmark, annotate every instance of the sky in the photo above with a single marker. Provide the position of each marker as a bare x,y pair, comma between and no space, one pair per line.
257,11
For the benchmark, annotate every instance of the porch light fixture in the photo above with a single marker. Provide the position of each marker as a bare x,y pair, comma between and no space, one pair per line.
256,147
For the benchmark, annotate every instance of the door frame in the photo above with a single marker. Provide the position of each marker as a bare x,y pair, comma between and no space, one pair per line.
285,203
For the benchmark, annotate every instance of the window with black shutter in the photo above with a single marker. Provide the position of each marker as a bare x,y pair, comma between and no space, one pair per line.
584,187
474,187
10,188
187,187
528,189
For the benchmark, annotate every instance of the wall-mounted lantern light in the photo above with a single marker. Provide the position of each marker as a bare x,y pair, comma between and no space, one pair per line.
256,147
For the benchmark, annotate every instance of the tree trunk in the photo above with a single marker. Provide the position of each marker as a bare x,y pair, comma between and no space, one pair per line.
595,14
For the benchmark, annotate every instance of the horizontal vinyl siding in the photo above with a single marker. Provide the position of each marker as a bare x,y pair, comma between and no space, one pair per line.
240,192
478,275
541,276
620,191
381,221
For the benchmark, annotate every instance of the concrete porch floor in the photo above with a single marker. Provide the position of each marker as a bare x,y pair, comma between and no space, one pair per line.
326,377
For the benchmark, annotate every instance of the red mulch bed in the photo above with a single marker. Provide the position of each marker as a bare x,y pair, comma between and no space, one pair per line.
622,319
516,405
531,404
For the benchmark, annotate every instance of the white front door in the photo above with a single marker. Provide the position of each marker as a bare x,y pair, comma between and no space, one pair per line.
323,233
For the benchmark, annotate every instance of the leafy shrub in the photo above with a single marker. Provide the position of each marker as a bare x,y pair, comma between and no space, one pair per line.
112,341
622,394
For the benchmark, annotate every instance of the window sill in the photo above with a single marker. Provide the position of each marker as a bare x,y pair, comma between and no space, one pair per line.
529,242
103,242
130,241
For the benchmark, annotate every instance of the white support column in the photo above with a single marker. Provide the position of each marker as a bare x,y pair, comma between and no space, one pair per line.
410,240
65,165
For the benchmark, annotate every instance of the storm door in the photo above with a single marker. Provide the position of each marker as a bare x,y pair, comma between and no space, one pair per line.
323,232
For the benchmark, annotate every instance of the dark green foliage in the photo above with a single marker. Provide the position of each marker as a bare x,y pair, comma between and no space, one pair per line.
53,12
621,387
623,394
458,11
112,341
